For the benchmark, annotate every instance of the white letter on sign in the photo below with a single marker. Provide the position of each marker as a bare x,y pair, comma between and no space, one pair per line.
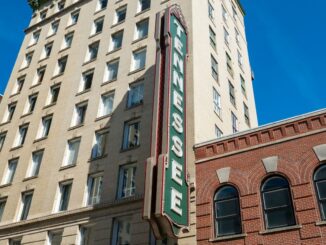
176,198
177,80
177,146
178,45
179,28
176,172
177,123
177,101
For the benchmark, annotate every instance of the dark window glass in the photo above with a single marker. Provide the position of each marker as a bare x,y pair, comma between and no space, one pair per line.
65,195
277,203
227,211
320,185
27,200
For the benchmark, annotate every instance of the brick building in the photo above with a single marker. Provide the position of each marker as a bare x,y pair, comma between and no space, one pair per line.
264,186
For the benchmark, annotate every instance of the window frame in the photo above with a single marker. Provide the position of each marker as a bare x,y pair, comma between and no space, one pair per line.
123,184
318,198
126,135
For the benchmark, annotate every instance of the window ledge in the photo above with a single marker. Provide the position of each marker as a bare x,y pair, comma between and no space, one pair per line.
31,45
30,178
97,158
77,126
64,49
141,12
321,223
89,61
134,105
99,11
67,167
4,123
13,95
71,25
52,35
129,149
230,237
44,59
35,85
275,230
102,117
49,105
107,82
27,114
135,71
94,34
23,68
58,75
83,92
16,147
139,39
113,51
40,139
119,23
5,185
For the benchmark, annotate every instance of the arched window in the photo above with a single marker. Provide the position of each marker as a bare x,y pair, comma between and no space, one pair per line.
277,203
227,211
320,185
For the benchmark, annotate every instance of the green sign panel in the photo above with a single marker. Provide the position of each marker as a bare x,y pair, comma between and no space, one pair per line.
176,193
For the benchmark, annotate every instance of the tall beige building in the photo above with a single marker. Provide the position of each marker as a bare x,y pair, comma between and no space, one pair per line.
76,115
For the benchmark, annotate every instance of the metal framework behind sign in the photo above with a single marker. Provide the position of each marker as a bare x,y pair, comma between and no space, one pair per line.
167,170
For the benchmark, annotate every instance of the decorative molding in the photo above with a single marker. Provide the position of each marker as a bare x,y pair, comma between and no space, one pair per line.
270,164
223,174
320,151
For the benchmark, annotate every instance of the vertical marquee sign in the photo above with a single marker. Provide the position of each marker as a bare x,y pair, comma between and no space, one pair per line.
167,170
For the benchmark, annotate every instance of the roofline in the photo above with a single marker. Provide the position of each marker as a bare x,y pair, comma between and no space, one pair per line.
241,7
263,127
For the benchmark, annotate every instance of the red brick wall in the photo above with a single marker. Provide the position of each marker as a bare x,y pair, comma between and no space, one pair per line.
296,161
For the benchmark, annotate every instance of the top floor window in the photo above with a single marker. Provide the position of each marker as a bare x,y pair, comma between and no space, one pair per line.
143,5
210,11
102,4
120,14
320,186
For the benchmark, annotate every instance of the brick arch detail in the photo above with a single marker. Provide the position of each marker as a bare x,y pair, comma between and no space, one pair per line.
308,163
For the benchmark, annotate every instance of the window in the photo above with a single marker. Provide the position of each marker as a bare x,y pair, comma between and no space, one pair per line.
94,189
61,66
54,94
135,94
143,5
64,195
26,204
246,114
61,5
55,237
243,86
35,37
45,127
116,40
84,235
232,93
79,114
18,85
47,51
226,37
2,207
10,112
240,59
102,4
99,146
217,102
2,139
120,14
277,203
74,18
237,36
11,170
97,26
53,28
67,40
234,120
131,135
21,135
229,64
224,14
227,211
127,184
218,132
121,231
141,29
37,157
39,75
106,104
28,59
210,11
212,38
138,60
92,51
320,187
31,103
15,241
112,70
86,81
214,68
72,152
43,14
234,12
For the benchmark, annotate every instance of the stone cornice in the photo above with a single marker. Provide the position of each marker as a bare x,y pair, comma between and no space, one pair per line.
286,130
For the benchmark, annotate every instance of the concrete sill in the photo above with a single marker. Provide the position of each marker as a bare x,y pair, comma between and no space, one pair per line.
35,85
16,147
58,75
40,139
13,95
94,35
49,105
44,59
107,82
5,185
102,117
135,71
275,230
141,12
4,123
64,49
99,11
83,92
97,158
230,237
119,23
113,51
129,149
321,223
23,68
77,126
27,114
67,167
89,61
139,39
30,178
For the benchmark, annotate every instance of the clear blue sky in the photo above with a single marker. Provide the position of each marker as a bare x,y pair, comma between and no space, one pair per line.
286,42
